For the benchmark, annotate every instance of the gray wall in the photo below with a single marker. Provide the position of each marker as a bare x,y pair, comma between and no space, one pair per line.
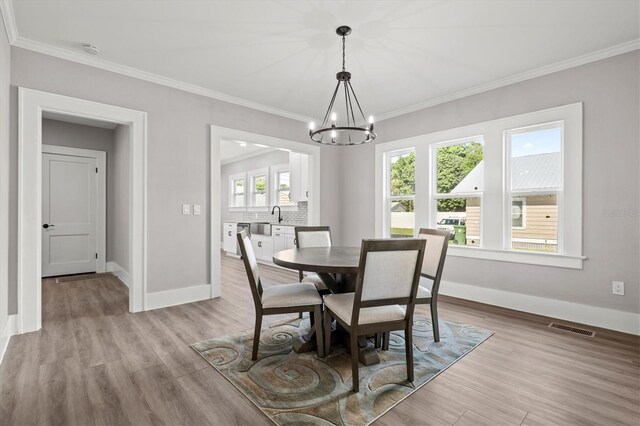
610,92
116,144
270,159
178,158
118,199
5,81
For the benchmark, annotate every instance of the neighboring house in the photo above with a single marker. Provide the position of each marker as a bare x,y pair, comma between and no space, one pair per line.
534,217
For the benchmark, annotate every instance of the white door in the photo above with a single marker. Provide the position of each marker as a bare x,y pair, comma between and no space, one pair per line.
69,214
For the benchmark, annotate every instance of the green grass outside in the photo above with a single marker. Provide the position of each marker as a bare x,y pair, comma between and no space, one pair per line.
402,232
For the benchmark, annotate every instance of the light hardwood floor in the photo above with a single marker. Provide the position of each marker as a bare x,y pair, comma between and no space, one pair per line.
95,363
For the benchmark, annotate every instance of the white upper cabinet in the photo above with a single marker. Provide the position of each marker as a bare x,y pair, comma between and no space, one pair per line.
299,175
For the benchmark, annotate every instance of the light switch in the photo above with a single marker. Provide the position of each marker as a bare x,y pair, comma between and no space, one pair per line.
186,209
196,209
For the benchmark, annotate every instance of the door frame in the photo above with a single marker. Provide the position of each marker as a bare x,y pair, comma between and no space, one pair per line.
31,105
101,195
224,133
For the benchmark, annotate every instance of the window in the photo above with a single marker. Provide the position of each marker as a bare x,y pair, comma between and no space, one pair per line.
506,190
534,165
281,177
258,189
401,185
237,184
458,185
518,209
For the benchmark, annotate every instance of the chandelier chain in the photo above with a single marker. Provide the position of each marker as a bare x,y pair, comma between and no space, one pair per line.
343,55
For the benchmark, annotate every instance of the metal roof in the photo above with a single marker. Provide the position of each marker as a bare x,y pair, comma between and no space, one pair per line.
537,171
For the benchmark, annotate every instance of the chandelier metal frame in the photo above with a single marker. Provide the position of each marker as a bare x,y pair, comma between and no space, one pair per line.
329,131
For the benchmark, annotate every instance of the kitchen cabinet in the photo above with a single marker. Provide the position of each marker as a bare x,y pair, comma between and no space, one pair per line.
279,239
299,176
283,238
290,242
229,239
262,247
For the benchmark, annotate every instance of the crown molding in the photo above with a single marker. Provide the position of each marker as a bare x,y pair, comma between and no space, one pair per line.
527,75
6,8
57,52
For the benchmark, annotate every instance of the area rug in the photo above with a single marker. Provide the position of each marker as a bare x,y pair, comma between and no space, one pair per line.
299,389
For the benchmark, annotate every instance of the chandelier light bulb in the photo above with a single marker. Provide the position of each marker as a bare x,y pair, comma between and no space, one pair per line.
312,126
371,119
333,134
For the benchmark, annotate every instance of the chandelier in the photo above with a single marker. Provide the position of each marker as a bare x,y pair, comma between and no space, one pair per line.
349,132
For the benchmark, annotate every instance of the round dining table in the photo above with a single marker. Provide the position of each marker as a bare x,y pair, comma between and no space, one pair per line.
338,269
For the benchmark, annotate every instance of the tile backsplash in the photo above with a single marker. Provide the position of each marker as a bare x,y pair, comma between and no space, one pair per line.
290,217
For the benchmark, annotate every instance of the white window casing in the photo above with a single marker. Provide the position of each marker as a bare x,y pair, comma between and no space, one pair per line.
232,180
275,190
496,195
251,193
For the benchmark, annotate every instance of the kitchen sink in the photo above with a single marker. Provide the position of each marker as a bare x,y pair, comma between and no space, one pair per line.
261,228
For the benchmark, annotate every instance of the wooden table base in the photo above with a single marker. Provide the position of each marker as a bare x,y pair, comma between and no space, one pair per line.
368,353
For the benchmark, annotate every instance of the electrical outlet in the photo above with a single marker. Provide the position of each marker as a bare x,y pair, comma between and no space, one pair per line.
196,209
618,288
186,209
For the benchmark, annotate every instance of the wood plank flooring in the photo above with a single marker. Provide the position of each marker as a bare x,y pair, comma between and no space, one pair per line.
95,363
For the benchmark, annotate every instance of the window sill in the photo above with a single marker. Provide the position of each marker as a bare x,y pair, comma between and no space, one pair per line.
257,209
542,259
237,209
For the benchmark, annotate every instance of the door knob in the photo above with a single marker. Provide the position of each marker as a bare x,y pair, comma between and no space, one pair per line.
46,225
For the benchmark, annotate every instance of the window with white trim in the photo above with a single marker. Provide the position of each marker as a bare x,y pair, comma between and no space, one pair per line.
533,186
281,178
457,187
400,194
511,189
237,191
258,189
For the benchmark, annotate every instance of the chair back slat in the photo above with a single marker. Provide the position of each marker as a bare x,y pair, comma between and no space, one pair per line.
251,266
435,255
389,273
313,236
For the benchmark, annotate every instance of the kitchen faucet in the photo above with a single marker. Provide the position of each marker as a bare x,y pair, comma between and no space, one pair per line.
279,213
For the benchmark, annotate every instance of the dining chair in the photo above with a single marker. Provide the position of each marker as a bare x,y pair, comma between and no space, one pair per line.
432,267
388,276
278,299
313,236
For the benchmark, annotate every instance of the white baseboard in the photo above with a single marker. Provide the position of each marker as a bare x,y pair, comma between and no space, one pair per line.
118,272
9,329
162,299
627,322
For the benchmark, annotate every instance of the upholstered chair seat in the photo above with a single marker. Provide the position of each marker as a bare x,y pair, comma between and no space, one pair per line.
342,305
282,296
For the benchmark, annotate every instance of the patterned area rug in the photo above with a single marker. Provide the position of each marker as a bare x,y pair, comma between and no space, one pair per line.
298,389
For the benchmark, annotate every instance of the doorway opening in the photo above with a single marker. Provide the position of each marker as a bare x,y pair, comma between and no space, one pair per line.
262,183
85,230
73,206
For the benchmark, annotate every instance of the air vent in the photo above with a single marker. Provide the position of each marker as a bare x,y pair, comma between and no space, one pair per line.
573,330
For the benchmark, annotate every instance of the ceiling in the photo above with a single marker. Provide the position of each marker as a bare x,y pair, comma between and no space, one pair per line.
282,56
231,151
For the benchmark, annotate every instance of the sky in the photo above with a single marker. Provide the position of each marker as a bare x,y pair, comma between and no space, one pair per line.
536,142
